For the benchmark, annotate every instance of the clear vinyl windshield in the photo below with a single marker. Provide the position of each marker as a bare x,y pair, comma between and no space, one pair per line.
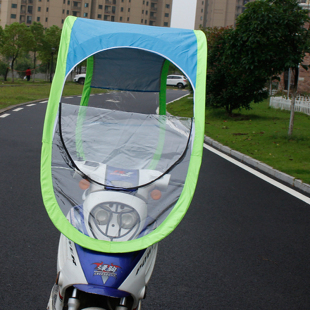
116,174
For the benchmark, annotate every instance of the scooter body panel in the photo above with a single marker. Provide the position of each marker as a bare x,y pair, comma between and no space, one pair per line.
115,275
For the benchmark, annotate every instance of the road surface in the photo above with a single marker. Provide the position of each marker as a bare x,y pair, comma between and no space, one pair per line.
244,243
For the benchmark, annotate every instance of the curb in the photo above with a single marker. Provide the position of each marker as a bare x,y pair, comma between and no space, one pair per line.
20,104
254,163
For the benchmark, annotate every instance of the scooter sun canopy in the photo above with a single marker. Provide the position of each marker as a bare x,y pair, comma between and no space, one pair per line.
119,175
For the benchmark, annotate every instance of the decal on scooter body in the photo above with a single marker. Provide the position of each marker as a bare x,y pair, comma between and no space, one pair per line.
106,269
122,178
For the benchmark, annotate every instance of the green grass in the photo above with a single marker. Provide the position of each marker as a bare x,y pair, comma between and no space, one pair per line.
22,91
260,133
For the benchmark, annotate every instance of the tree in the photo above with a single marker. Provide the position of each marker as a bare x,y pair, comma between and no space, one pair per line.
16,39
3,66
269,37
229,84
273,36
37,31
22,64
1,37
50,44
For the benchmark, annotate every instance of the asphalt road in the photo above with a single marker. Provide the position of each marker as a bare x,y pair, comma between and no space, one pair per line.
244,244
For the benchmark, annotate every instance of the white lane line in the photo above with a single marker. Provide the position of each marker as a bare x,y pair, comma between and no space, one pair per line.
4,115
111,100
68,97
260,175
30,105
18,109
177,99
92,95
79,96
44,101
100,94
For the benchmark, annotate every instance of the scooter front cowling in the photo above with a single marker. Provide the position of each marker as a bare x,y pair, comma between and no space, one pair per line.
103,275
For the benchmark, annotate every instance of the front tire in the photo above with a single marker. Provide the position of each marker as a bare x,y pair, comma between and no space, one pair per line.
180,85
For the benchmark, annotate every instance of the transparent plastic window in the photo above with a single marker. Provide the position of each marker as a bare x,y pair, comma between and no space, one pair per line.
117,175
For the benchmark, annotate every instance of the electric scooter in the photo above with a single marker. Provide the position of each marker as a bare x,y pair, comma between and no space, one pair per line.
119,279
115,181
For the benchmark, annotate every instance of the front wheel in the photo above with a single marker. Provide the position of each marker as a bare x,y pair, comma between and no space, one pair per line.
180,85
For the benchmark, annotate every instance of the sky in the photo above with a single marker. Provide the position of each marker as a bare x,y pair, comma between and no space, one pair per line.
183,14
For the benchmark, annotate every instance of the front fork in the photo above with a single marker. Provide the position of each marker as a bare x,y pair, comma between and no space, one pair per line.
74,303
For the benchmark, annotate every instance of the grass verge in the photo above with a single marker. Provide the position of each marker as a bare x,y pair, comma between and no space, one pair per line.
260,133
23,91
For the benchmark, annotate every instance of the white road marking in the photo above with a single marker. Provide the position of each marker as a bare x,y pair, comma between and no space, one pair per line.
80,96
44,101
18,109
92,95
260,175
68,97
30,105
4,115
111,100
177,99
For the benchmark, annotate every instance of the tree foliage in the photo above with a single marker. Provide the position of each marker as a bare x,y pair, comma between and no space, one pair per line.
50,44
37,31
16,39
1,37
229,84
22,63
270,36
273,35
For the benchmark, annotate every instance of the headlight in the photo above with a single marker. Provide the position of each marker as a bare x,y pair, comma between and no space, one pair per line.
113,220
102,217
127,220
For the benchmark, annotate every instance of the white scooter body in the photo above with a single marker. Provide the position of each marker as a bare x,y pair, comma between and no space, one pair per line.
70,273
120,278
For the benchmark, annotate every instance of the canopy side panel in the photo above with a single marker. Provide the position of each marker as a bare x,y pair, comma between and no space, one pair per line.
91,36
50,202
127,69
88,80
163,88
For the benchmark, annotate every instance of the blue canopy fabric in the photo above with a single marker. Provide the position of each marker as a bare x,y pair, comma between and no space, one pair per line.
170,43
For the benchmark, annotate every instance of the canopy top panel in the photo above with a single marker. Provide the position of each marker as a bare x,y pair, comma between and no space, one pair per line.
89,37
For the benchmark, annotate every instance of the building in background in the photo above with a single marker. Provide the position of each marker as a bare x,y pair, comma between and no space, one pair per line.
305,4
54,12
218,13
